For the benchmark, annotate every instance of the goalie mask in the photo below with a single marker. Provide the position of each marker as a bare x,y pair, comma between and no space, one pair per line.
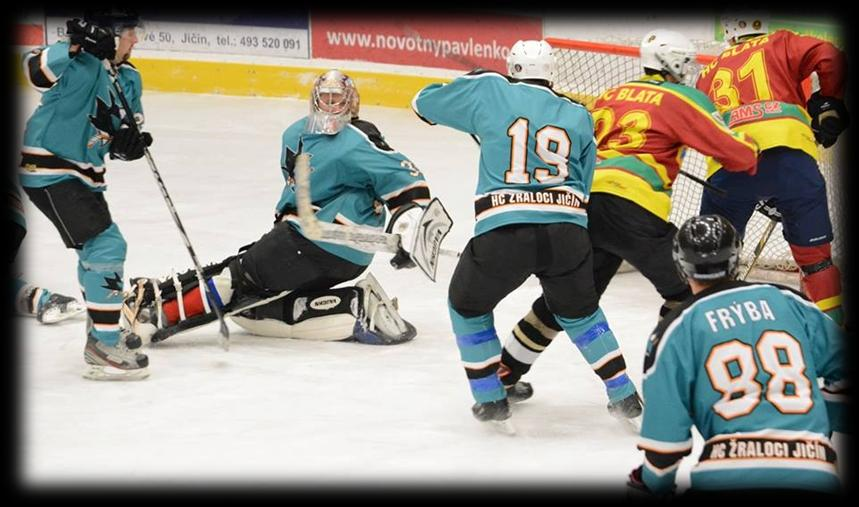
740,25
707,247
333,103
531,59
668,51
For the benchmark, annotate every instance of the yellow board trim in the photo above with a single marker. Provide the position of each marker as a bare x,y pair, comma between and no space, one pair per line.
229,78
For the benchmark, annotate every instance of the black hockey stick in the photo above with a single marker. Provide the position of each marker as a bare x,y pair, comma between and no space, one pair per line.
704,183
132,123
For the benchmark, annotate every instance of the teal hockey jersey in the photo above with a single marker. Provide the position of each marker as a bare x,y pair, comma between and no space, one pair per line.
537,148
354,176
68,135
741,363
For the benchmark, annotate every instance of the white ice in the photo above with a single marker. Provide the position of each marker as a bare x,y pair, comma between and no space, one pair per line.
290,412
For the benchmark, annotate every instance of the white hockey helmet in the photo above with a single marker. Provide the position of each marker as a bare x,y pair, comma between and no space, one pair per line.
740,25
531,59
669,51
333,103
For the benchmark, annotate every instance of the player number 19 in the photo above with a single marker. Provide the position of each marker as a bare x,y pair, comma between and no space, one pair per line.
552,146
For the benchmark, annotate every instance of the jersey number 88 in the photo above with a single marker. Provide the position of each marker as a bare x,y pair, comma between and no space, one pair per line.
780,355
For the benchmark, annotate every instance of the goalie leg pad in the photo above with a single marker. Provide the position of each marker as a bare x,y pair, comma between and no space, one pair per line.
381,323
193,302
153,308
363,313
328,315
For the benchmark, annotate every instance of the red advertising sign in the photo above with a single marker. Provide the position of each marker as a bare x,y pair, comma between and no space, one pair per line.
461,41
27,34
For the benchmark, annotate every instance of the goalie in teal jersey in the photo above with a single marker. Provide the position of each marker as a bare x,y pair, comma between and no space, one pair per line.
356,176
740,361
78,122
537,156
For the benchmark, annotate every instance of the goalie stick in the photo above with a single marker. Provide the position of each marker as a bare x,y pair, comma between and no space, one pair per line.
355,236
129,115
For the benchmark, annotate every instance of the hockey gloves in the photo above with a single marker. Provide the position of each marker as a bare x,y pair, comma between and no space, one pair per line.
93,39
128,144
829,118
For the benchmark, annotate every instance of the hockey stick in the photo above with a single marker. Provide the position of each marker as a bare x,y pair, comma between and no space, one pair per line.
760,247
355,236
704,183
129,115
771,212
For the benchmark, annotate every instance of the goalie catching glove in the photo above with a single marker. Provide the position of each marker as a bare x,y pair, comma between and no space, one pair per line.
421,232
829,118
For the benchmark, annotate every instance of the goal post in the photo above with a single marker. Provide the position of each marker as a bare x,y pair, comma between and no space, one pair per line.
585,69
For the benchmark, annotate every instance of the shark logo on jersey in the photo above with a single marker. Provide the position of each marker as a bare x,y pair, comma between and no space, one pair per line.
413,169
103,121
114,285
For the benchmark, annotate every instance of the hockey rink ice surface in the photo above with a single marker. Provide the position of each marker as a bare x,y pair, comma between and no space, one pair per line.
286,412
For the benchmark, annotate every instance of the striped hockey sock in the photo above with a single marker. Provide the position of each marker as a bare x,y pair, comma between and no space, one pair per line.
480,352
595,340
529,338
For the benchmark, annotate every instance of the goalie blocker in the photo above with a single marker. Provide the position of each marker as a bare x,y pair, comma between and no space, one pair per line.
421,230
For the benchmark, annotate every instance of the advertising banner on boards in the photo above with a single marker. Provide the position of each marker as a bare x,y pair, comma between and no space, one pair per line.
451,40
284,35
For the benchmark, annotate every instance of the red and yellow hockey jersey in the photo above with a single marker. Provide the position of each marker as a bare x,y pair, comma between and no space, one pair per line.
642,128
757,86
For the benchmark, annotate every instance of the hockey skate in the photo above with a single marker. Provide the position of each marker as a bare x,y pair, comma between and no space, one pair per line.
496,414
519,392
58,308
120,362
628,411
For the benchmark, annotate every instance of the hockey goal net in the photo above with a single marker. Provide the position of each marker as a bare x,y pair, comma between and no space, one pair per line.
586,69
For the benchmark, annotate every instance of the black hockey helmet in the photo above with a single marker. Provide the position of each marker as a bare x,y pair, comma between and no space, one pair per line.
113,19
707,247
